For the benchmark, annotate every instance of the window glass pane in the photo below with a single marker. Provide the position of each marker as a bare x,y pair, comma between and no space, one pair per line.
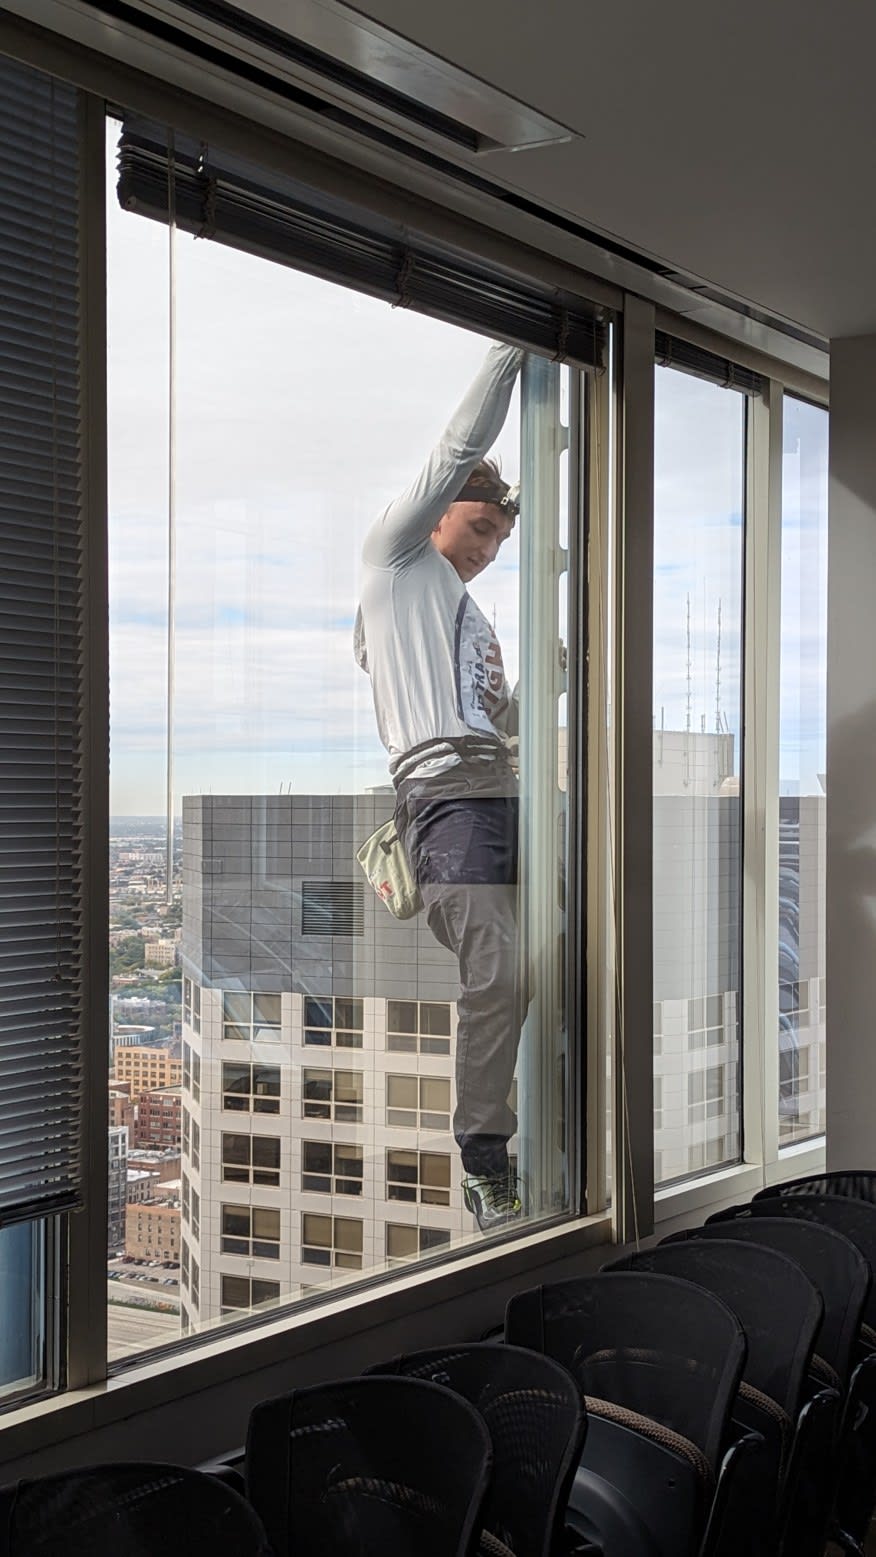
317,1157
348,1234
802,767
434,1094
235,1148
235,1219
235,1292
401,1091
317,1013
435,1019
317,1229
348,1013
266,1151
401,1241
265,1223
237,1008
401,1016
264,1291
266,1008
699,518
263,935
22,1302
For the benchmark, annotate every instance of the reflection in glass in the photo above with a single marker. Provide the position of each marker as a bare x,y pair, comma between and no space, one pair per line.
22,1304
300,411
802,767
699,487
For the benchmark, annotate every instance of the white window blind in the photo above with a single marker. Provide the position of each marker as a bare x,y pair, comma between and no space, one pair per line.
41,694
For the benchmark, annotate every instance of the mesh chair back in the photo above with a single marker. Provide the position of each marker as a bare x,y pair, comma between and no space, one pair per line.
656,1345
536,1420
855,1219
129,1511
779,1308
857,1184
831,1262
369,1465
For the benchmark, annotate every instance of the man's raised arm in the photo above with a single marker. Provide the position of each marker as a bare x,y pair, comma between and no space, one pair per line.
406,525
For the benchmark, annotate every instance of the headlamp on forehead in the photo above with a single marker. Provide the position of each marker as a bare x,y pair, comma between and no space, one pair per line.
504,497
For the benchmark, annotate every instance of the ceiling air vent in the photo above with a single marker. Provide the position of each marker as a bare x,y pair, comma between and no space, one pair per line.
329,59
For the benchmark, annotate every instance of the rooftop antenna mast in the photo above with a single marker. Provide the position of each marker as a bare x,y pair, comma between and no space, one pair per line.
689,673
718,721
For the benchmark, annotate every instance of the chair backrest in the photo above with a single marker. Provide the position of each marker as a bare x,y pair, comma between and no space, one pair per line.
855,1219
831,1262
536,1420
656,1345
369,1464
128,1510
779,1308
858,1184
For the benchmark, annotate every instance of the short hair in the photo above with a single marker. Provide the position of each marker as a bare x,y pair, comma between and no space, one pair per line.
488,473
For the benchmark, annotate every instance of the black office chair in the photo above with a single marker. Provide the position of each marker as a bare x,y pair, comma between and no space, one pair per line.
537,1422
842,1277
658,1362
833,1265
383,1465
128,1510
857,1183
856,1220
780,1311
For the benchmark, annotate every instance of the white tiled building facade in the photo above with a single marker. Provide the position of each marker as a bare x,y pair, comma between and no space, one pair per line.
317,1135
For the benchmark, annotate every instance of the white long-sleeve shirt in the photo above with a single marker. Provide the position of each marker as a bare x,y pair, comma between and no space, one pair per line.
434,660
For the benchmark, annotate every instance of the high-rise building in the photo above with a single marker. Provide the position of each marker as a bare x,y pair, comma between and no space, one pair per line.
159,1118
117,1186
318,1044
697,956
146,1067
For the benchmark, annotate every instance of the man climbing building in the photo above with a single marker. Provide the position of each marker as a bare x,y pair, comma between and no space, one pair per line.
444,711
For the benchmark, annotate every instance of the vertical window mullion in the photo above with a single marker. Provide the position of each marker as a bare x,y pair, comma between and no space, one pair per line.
760,769
632,1060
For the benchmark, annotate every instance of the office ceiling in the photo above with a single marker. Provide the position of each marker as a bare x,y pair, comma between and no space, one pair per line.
734,141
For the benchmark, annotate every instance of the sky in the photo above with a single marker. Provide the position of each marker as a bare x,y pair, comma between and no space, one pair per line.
300,409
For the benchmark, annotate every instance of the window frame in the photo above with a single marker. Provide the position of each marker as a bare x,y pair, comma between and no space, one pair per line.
419,1117
351,1108
339,1258
335,1178
334,1029
245,1173
420,1187
85,1273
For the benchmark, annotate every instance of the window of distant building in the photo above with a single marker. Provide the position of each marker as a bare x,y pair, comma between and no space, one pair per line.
251,1159
251,1230
192,1004
249,1017
418,1102
333,1021
333,1094
705,1093
331,1168
246,1293
405,1242
251,1088
418,1026
423,1176
331,1240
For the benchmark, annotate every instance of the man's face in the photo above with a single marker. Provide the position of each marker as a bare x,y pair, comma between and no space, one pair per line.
469,536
